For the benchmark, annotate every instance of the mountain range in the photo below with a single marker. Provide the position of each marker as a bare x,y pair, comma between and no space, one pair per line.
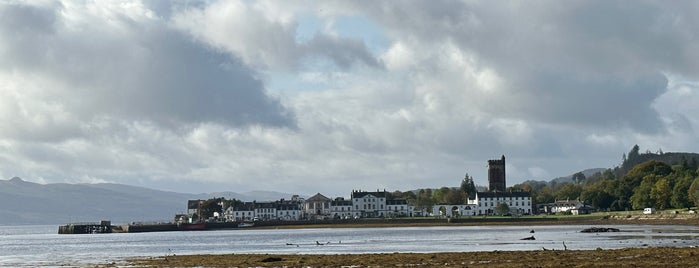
25,203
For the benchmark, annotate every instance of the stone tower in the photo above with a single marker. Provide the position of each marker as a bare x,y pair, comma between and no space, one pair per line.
496,175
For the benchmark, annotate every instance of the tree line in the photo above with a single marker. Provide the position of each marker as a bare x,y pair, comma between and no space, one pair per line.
640,181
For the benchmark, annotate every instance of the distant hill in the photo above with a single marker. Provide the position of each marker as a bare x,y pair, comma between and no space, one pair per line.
23,202
588,172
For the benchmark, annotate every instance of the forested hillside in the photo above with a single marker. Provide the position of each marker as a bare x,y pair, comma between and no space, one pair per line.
660,180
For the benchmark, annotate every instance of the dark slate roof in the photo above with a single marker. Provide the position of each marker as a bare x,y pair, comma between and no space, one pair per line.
396,202
341,203
359,194
503,194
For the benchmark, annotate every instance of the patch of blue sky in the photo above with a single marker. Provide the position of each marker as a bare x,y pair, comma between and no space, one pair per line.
317,73
353,27
324,69
361,28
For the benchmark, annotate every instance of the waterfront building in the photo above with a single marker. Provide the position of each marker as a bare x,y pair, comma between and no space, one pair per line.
342,209
519,203
317,206
369,204
398,208
574,207
454,210
285,210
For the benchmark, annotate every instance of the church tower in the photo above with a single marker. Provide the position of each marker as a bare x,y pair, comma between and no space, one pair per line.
496,175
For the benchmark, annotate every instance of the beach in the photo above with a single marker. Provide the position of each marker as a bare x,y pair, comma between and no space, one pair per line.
631,257
627,257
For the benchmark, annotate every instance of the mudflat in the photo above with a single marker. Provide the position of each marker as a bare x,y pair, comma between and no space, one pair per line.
630,257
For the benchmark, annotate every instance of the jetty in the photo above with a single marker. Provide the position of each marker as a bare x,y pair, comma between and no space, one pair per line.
102,227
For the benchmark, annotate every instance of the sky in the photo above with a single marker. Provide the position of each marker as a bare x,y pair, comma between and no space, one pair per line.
304,97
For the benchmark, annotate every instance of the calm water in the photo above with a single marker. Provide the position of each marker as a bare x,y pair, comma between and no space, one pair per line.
31,246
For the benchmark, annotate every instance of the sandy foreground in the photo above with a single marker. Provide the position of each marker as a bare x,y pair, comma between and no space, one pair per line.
630,257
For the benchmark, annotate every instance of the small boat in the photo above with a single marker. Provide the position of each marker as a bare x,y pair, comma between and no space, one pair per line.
529,238
245,224
191,226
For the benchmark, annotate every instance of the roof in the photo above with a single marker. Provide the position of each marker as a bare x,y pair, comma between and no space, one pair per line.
360,194
341,203
318,198
502,194
396,202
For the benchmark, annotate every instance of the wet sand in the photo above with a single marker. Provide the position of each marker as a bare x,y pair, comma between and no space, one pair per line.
633,257
630,257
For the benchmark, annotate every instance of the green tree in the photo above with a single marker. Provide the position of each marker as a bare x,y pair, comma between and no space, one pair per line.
694,191
424,199
599,194
578,177
545,196
468,186
680,192
455,197
642,197
661,194
569,191
632,180
439,194
502,209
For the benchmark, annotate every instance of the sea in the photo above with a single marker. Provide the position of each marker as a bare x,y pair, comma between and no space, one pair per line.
41,246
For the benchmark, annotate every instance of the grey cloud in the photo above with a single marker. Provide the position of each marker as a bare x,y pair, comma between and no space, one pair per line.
268,43
135,69
599,63
343,51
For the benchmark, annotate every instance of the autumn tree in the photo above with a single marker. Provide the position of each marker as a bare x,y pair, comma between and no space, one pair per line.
569,191
661,193
694,191
545,196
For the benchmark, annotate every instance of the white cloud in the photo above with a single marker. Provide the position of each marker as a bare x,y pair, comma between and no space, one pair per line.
177,96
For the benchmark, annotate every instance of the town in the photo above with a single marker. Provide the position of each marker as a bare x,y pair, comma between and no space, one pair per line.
375,204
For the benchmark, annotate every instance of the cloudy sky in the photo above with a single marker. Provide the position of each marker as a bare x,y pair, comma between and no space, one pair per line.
330,96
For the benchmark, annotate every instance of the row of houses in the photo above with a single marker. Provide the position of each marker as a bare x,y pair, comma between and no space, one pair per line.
363,204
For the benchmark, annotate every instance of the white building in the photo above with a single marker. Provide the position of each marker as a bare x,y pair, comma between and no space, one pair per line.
574,207
455,210
342,209
486,203
277,210
317,206
398,208
369,204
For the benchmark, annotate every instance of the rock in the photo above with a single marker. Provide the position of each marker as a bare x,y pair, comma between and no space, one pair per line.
271,259
599,230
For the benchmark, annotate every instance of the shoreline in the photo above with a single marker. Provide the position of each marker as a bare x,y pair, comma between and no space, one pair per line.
658,219
626,257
